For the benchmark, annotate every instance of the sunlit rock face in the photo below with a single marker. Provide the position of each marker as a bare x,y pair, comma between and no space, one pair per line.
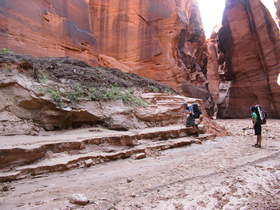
161,40
213,67
47,28
250,48
216,72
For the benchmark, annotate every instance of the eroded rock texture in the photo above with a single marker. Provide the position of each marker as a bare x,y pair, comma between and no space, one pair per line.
217,73
42,93
249,47
161,40
47,28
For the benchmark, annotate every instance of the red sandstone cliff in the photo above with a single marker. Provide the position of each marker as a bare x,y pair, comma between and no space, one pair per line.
161,40
213,67
249,49
47,28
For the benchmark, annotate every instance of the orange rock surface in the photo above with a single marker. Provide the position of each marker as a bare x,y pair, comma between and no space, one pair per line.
250,47
212,67
47,28
161,40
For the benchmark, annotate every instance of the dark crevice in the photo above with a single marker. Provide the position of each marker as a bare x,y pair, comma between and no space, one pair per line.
142,18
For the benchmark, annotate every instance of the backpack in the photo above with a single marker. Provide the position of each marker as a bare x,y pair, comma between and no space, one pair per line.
261,114
195,111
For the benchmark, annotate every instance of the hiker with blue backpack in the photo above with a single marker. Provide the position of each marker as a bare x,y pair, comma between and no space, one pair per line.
258,116
193,112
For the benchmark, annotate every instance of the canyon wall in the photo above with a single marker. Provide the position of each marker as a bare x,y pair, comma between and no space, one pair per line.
47,28
161,40
248,60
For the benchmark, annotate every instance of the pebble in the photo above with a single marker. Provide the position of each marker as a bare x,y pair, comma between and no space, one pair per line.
88,163
129,180
139,156
6,188
133,195
79,199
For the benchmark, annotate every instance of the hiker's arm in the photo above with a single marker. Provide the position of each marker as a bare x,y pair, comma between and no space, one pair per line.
254,121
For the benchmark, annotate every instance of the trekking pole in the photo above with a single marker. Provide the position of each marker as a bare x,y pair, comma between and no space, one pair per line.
244,129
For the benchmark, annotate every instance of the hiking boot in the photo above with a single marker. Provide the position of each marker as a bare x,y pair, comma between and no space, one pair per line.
257,146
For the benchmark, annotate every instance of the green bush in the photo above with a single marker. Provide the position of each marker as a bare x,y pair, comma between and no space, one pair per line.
75,94
137,101
43,77
105,94
112,94
115,93
94,94
153,89
55,95
4,50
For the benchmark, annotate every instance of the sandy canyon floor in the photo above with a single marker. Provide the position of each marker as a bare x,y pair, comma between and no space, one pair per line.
225,173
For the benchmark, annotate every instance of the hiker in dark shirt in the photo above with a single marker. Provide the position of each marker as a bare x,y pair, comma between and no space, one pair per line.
190,117
257,126
193,112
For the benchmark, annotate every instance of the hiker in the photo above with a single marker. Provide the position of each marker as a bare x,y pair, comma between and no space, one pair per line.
193,112
258,118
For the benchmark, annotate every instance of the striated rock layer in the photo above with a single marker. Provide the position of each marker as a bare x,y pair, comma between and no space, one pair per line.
249,59
161,40
59,93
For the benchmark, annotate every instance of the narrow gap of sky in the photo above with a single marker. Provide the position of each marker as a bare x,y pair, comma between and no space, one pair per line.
212,13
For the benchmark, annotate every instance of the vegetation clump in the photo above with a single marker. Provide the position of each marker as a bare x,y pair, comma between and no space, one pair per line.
68,80
5,50
78,93
116,93
55,95
153,89
43,77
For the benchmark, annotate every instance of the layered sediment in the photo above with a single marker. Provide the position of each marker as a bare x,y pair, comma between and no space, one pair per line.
39,94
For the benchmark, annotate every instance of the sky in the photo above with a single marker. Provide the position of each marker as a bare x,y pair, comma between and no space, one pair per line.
212,12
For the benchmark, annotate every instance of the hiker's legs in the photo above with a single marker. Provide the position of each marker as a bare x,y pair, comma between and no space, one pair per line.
257,143
258,133
190,121
196,130
259,140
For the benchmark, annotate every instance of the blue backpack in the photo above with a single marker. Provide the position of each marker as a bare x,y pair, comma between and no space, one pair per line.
195,110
